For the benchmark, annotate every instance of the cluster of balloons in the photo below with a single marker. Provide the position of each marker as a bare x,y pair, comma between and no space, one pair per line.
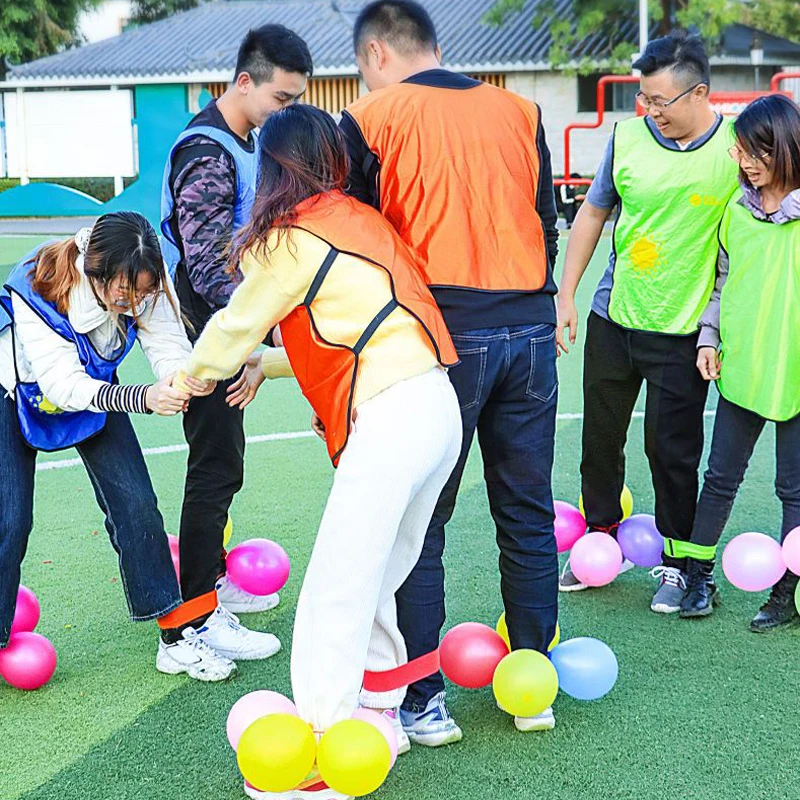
29,660
276,750
755,562
259,566
596,558
525,682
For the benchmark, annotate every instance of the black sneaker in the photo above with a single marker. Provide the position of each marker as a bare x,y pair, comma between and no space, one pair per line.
701,592
780,608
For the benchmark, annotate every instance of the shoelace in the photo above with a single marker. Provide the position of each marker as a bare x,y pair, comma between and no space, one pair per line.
197,643
671,575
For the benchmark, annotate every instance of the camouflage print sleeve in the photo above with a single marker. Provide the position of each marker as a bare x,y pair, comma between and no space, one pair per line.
205,196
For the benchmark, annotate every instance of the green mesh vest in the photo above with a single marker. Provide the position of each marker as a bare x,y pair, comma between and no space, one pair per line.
760,314
665,240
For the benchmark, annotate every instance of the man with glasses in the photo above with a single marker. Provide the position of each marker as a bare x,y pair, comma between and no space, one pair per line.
670,175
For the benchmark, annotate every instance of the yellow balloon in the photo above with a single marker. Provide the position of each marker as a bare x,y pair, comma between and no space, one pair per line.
525,683
502,629
625,500
277,752
227,531
353,757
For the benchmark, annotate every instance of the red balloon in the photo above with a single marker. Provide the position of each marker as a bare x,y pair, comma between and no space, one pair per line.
27,613
469,654
28,662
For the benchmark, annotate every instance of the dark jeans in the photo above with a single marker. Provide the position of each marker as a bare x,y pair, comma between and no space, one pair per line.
215,472
123,490
507,388
736,431
616,361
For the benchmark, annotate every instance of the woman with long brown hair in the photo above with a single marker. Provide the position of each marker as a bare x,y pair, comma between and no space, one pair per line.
70,312
367,344
748,344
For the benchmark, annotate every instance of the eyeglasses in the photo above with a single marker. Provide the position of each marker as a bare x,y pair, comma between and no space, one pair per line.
659,105
739,155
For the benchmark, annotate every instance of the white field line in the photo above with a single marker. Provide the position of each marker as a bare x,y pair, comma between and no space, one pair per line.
267,437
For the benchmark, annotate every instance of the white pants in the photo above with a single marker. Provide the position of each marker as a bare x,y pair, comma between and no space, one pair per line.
404,445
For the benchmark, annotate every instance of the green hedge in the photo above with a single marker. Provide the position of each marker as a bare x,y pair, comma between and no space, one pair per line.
101,189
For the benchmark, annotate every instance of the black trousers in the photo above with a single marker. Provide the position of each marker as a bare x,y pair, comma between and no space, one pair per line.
215,472
616,362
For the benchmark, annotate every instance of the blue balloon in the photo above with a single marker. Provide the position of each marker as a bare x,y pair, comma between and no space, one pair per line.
587,668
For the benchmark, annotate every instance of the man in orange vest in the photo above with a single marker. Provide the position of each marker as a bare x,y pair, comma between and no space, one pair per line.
462,171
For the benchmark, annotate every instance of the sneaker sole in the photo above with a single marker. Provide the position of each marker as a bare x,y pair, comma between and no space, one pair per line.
404,748
539,727
576,587
703,612
295,794
435,739
172,667
788,624
663,609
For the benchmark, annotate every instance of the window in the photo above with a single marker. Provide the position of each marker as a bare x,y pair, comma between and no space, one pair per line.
495,79
619,96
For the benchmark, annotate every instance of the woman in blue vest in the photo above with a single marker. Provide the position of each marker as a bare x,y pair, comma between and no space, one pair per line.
748,344
69,314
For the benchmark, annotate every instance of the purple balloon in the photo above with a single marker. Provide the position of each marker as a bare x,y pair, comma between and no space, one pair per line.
258,566
640,541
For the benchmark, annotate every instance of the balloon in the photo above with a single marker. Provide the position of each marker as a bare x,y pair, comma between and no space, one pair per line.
470,653
353,757
625,501
596,559
640,541
502,629
29,661
227,531
569,525
250,707
753,562
525,683
380,722
175,552
797,598
258,566
276,752
27,613
587,668
791,551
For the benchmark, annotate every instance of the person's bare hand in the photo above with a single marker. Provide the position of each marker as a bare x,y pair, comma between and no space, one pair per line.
242,391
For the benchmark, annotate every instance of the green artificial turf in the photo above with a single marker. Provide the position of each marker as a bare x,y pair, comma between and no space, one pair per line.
702,710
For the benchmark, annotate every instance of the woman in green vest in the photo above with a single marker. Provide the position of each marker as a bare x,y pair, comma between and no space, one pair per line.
749,345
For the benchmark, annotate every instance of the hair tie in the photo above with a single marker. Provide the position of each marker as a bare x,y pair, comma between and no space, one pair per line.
82,240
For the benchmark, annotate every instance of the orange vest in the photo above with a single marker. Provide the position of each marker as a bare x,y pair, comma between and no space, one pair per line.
458,181
327,371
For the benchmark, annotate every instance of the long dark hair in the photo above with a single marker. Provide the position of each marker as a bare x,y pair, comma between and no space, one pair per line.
771,125
122,243
302,154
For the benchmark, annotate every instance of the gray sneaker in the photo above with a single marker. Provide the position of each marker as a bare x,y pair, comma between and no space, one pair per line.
567,581
672,587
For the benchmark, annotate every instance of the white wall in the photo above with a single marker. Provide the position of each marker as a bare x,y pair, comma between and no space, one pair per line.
105,21
69,134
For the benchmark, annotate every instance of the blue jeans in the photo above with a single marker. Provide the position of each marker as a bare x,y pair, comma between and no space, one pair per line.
123,490
507,388
736,431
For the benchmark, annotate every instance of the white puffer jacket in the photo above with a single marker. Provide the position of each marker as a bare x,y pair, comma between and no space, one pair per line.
45,357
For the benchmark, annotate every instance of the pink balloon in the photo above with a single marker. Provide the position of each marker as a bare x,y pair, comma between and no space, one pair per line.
175,552
791,550
26,616
380,722
596,559
570,525
753,562
250,707
258,566
28,662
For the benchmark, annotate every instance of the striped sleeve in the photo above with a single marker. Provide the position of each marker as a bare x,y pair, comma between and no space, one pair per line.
129,399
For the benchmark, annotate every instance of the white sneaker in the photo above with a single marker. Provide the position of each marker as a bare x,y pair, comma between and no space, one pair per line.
403,742
325,793
241,602
545,721
223,632
568,582
194,657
